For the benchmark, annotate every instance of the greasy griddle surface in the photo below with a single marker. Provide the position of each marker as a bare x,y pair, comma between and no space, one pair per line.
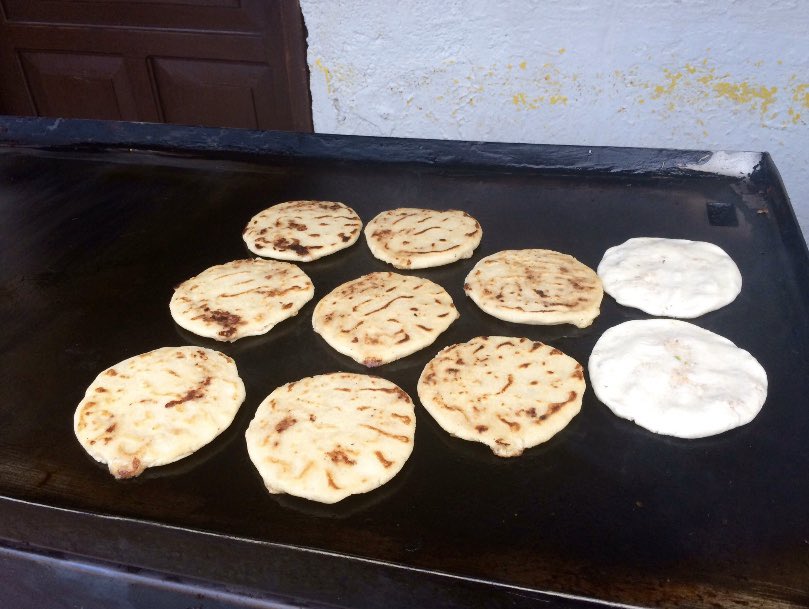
93,244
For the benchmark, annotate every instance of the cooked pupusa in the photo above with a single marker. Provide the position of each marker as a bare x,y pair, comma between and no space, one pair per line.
381,317
415,238
302,230
240,298
508,393
535,286
329,436
157,407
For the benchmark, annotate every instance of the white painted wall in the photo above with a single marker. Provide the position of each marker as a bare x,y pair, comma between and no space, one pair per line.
701,74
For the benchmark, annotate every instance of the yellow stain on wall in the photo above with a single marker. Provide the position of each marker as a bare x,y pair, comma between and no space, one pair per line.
745,93
544,85
800,95
693,90
795,117
326,74
669,85
519,100
700,86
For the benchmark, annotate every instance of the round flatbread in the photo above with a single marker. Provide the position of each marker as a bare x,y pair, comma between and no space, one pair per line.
411,238
241,298
508,393
381,317
670,277
535,286
330,436
674,378
302,230
157,407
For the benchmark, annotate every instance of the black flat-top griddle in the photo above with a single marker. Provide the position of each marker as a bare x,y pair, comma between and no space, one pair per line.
98,222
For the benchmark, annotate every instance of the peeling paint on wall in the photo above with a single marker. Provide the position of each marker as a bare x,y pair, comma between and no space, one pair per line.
699,87
659,73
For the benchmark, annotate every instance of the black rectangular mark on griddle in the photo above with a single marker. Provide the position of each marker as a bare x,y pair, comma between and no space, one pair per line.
721,214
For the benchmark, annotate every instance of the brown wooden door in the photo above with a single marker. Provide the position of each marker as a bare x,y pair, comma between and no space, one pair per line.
224,63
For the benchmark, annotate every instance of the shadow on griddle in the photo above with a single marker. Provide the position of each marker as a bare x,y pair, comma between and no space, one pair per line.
481,455
345,363
352,504
233,433
475,322
325,265
248,343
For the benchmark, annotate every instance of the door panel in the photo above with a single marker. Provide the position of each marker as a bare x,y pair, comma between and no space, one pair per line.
207,15
186,88
84,86
219,63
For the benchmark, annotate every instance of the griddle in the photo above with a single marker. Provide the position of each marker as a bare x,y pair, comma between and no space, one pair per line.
98,222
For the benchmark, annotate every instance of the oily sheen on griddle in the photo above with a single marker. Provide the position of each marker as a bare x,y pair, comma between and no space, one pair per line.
157,407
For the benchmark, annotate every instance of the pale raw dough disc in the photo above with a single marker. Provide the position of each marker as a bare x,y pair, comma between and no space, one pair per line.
302,230
670,277
675,378
241,298
157,407
412,238
381,317
535,286
330,436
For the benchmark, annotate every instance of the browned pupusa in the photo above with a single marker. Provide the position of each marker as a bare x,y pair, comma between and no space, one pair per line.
330,436
381,317
157,407
535,286
508,393
415,238
302,230
241,298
